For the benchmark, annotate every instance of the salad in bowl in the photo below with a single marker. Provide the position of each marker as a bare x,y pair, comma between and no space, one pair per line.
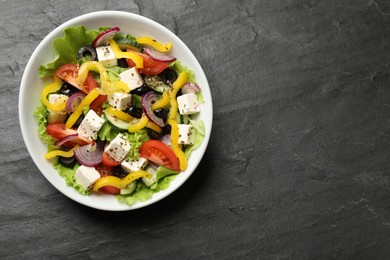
119,114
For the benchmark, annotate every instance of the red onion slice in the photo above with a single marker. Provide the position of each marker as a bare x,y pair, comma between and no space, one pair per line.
153,165
190,87
158,56
147,101
89,155
66,139
73,101
166,139
102,38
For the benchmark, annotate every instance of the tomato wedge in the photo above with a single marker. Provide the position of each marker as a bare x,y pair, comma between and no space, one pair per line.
107,171
96,105
69,72
59,131
151,67
161,154
107,160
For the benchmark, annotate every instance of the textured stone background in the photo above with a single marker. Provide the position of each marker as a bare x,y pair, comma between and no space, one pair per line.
298,162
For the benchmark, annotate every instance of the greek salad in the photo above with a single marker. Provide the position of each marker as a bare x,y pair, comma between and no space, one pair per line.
119,113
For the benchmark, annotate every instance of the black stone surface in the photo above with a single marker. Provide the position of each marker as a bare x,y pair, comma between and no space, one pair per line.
298,162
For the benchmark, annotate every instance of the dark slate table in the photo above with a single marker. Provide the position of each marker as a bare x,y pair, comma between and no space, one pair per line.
298,162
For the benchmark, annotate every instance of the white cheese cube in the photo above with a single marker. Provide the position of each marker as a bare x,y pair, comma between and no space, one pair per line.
54,98
149,181
134,165
86,176
90,125
118,148
106,56
131,78
119,100
188,104
186,134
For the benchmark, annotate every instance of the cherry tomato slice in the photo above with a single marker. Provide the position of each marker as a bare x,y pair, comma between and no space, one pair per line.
107,171
69,72
59,131
161,154
96,105
151,67
107,160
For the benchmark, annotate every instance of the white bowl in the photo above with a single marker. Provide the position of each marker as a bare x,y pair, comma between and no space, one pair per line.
31,87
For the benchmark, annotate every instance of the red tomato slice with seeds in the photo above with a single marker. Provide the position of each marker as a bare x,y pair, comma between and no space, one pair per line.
96,105
107,171
108,160
161,154
151,67
69,72
59,131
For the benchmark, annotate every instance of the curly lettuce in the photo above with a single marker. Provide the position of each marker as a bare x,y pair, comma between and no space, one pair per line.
66,48
40,115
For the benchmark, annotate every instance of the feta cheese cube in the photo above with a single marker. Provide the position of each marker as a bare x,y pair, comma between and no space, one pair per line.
186,134
90,125
149,181
188,104
118,148
86,176
119,100
131,78
106,56
134,165
54,98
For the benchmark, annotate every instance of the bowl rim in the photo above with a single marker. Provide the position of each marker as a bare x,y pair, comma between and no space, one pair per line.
23,117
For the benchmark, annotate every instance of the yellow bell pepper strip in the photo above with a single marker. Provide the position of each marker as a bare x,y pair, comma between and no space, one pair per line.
51,88
162,102
55,153
174,132
177,85
139,124
106,86
118,182
155,44
119,114
153,126
119,54
119,86
79,109
181,156
175,144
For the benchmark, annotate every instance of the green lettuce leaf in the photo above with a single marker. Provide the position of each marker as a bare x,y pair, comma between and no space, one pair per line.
136,140
68,175
66,48
178,67
161,173
40,115
113,72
